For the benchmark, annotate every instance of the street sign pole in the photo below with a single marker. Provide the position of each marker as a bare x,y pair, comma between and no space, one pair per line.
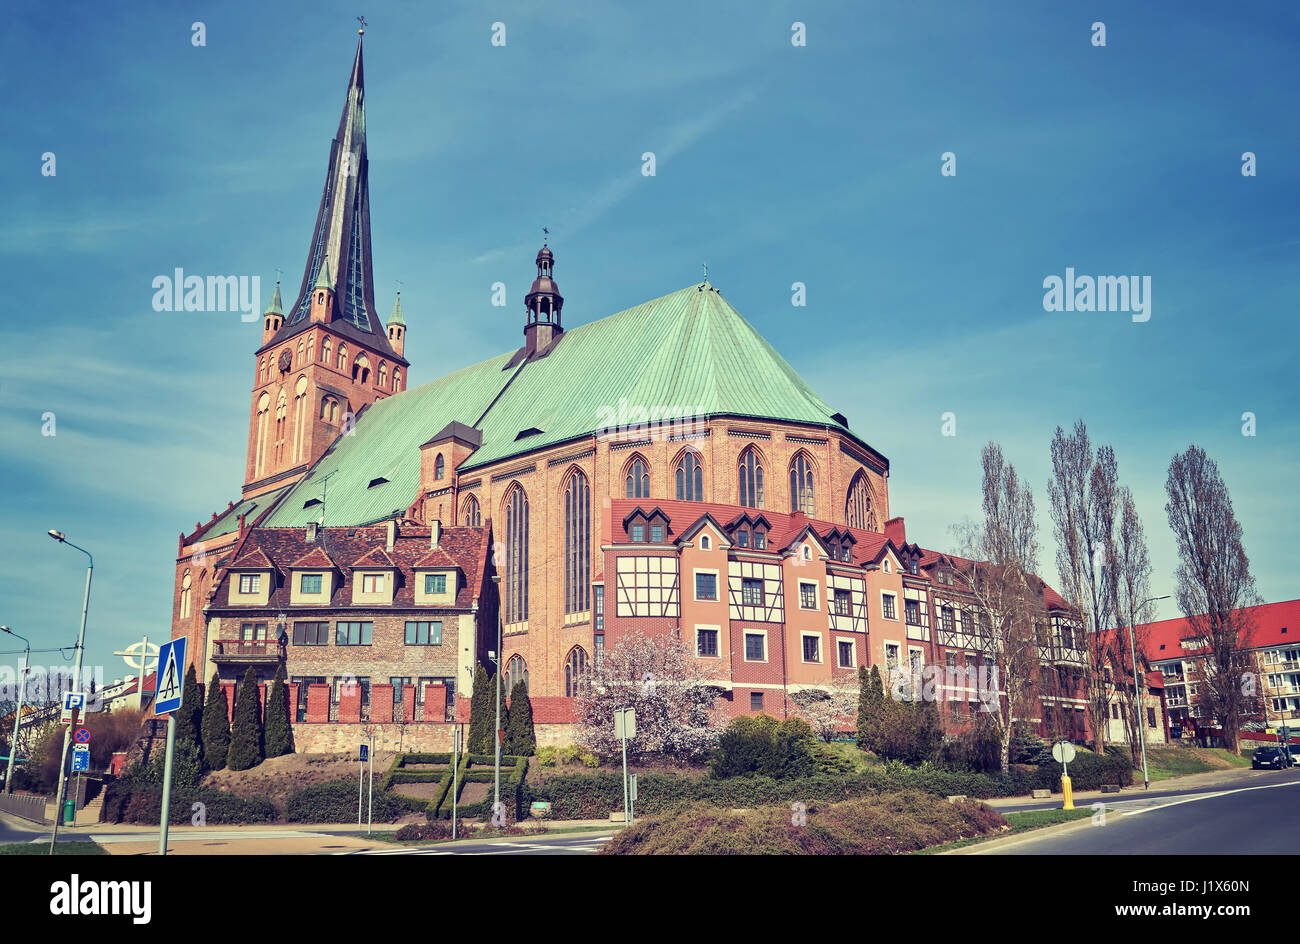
370,812
455,774
168,694
361,780
165,819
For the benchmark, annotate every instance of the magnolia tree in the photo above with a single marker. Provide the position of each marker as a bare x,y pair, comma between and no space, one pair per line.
828,710
661,679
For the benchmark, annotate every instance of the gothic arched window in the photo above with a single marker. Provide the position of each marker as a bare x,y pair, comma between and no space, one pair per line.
516,578
801,484
439,467
577,544
185,596
690,477
471,516
397,379
576,667
857,506
516,672
637,479
751,479
325,347
381,376
343,357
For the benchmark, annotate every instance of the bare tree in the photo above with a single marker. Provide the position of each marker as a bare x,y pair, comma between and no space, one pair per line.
1131,568
1002,554
1083,492
1214,587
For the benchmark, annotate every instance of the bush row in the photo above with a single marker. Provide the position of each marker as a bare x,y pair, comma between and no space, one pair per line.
336,802
126,802
577,796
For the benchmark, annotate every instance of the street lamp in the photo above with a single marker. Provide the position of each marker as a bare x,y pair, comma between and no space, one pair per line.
1137,692
496,732
18,715
76,680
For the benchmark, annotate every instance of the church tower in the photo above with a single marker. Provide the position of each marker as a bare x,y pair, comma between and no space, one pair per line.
329,356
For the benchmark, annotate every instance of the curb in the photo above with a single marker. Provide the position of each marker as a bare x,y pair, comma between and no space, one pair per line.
1015,838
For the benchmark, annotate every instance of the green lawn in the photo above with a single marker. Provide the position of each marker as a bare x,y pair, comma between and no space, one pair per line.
1019,822
80,847
1166,762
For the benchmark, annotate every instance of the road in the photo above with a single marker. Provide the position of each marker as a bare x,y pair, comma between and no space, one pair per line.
1262,818
565,844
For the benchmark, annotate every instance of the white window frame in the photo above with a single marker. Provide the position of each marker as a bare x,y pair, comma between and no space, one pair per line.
717,585
853,652
816,607
894,597
377,580
707,627
821,660
256,584
744,640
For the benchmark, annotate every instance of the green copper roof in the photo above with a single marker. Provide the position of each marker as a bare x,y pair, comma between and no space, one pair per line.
323,278
396,316
274,308
689,351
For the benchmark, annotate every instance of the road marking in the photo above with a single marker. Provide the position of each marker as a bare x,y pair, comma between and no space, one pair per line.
1207,796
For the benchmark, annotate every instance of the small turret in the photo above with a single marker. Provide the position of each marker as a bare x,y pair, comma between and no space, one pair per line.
397,328
543,304
273,317
322,294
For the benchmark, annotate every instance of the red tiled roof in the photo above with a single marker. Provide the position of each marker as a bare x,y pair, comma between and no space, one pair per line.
465,548
436,557
1276,624
1155,680
314,558
375,557
255,558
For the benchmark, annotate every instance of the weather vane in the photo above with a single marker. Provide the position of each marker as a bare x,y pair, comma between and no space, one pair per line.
362,21
706,271
546,235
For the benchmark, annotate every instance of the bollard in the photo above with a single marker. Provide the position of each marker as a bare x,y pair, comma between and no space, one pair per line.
1067,793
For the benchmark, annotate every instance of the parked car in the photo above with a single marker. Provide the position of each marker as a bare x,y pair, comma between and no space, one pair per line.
1270,758
1295,755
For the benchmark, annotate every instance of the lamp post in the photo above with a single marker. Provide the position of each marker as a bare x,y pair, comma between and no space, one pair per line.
1137,692
76,681
18,715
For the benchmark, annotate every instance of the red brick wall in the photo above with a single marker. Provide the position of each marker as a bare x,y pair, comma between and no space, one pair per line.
381,703
435,702
350,703
408,702
318,703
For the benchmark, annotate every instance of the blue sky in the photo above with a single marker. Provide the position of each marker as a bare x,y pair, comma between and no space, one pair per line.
775,164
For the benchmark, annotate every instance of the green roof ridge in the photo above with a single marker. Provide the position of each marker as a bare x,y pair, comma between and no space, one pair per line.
275,307
396,316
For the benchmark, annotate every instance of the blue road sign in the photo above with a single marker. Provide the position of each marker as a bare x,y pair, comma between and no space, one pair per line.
365,752
73,700
80,759
168,687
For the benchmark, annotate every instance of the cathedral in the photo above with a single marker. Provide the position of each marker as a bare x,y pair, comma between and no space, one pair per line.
659,470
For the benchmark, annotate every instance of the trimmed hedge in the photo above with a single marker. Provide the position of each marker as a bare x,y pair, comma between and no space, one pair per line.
137,802
336,802
578,796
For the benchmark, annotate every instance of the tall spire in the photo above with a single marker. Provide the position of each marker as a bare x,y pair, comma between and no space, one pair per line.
340,244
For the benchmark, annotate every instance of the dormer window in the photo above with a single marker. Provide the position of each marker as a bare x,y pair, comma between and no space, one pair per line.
742,538
250,583
846,553
704,543
760,540
656,533
638,533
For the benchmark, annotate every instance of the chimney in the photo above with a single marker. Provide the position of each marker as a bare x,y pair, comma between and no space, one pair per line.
311,531
895,531
391,537
435,532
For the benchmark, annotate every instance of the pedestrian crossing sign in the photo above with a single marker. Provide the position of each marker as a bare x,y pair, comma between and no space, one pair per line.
168,687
